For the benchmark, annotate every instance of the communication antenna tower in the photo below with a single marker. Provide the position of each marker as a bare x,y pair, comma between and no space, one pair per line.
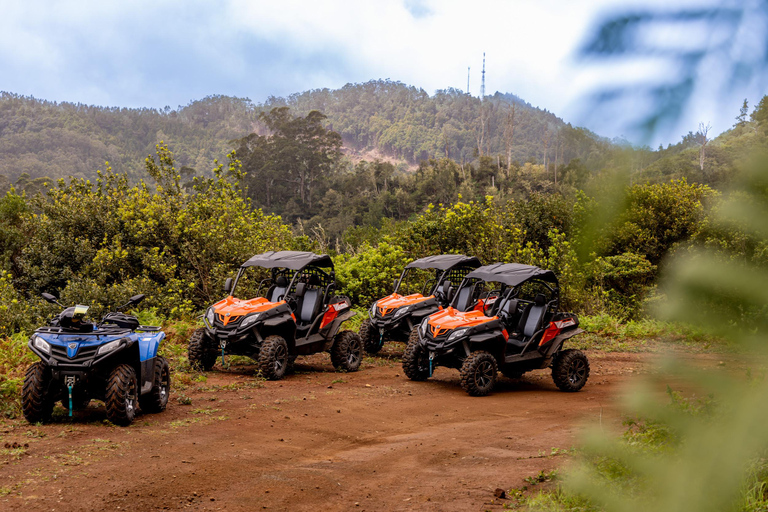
482,86
467,79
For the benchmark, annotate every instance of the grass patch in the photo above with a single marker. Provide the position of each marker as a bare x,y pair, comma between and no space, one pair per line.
608,334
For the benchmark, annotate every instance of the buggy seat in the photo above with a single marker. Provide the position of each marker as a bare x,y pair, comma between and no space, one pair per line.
310,300
531,320
279,289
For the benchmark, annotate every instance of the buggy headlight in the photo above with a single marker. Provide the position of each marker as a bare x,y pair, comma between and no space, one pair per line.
458,333
41,344
108,347
423,327
401,312
209,316
250,320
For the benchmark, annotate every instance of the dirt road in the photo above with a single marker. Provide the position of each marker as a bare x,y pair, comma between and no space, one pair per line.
318,440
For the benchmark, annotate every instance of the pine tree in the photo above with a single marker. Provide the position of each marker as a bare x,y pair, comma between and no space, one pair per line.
741,119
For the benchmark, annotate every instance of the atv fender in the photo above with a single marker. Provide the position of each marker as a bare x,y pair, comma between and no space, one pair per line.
283,325
148,345
330,330
558,341
278,320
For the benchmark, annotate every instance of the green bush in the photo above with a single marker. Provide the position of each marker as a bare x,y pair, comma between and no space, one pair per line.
368,275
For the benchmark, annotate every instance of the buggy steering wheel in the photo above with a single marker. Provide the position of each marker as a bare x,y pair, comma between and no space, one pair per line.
291,301
488,306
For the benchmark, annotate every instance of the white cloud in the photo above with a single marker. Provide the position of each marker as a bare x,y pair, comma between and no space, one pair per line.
147,53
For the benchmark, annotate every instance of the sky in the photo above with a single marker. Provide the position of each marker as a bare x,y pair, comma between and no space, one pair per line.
143,53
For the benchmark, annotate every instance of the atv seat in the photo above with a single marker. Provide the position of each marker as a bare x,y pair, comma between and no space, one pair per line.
533,316
310,301
529,324
464,300
278,290
508,312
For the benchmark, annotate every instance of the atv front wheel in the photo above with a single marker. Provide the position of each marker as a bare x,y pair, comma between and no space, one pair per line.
570,370
36,400
370,337
415,361
347,351
201,350
157,399
122,392
478,373
274,358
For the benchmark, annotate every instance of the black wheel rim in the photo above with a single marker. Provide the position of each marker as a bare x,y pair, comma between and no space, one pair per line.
422,361
577,371
281,356
130,399
484,374
353,355
165,384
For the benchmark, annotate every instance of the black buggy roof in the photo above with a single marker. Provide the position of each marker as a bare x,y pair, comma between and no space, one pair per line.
294,260
512,274
445,261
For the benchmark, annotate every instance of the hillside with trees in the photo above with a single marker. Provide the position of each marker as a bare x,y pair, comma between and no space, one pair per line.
47,139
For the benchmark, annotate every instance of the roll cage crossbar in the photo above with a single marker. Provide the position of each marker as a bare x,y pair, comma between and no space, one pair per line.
508,292
327,278
444,266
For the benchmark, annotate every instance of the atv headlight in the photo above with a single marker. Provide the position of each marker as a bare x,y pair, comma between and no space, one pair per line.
41,344
209,316
458,333
401,312
372,311
250,320
423,327
108,347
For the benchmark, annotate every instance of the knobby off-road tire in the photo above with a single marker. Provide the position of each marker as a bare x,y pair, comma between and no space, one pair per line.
36,400
570,370
347,351
157,399
370,337
478,373
122,395
415,359
274,359
201,350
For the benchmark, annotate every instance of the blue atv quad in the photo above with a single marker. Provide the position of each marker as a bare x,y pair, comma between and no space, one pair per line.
115,361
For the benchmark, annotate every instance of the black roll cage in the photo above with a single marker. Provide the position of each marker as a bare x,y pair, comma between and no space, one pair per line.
440,277
510,292
328,279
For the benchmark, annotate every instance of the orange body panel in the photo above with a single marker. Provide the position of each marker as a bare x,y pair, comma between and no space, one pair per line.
391,302
231,308
332,312
450,319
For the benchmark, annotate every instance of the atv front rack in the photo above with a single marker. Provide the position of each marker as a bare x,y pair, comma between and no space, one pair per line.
103,331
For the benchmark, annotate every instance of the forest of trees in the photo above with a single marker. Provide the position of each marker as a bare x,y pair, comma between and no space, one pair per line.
175,234
161,227
46,139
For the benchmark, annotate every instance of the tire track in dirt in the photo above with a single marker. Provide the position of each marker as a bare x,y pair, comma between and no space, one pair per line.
372,440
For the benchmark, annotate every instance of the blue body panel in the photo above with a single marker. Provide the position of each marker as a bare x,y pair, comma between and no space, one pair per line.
148,342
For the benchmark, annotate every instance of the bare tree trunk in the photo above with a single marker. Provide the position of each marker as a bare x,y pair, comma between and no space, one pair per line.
703,140
509,135
480,133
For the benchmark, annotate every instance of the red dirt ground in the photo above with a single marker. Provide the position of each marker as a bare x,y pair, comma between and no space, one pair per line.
317,440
